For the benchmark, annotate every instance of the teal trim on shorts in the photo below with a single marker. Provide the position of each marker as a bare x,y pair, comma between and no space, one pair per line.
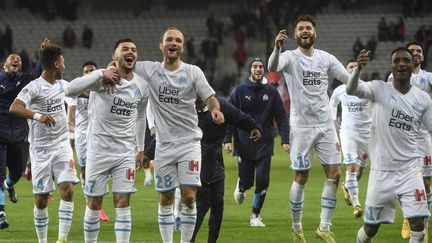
73,182
100,195
43,193
125,193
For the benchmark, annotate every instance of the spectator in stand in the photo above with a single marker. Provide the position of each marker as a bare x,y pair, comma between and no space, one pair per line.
371,45
240,56
383,30
8,39
25,61
69,37
399,30
357,47
190,50
209,48
87,36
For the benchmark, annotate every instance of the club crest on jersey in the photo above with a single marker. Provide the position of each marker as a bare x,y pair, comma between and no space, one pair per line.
416,106
423,81
24,91
265,97
182,80
137,93
393,100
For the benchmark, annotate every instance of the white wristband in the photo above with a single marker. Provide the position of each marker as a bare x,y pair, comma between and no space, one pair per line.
37,116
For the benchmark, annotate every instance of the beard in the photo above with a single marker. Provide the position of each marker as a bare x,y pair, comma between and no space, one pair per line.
306,44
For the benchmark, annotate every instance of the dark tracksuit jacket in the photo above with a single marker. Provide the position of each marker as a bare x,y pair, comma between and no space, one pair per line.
264,104
13,130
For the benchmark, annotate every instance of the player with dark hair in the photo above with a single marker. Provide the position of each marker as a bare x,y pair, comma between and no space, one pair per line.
42,101
307,72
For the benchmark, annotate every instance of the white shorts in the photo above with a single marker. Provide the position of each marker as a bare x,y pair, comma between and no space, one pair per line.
354,147
81,148
100,167
426,154
322,139
387,187
49,165
177,163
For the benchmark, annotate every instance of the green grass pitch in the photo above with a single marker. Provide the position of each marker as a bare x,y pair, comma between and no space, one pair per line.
235,226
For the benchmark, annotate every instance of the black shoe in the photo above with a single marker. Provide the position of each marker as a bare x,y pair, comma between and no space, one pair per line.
11,193
3,221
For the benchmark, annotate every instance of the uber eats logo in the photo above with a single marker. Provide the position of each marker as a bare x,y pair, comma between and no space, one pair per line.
122,107
54,105
167,95
311,78
401,120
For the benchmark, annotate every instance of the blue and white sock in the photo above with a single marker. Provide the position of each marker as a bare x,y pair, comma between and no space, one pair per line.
188,220
166,222
91,225
123,224
41,223
65,218
296,202
328,203
417,237
362,237
351,184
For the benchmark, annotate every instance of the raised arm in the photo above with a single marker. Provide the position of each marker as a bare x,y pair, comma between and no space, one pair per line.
352,85
280,39
97,78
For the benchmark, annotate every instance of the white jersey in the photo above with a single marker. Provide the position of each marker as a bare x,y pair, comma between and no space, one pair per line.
307,79
81,114
173,95
356,112
42,97
395,124
112,117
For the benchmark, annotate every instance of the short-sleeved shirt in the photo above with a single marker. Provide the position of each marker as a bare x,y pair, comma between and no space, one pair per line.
112,117
81,114
356,112
46,98
173,95
307,79
396,123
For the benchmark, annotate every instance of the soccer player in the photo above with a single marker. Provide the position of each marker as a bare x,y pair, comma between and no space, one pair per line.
354,137
174,86
42,102
422,80
78,123
13,130
261,101
115,120
306,72
400,109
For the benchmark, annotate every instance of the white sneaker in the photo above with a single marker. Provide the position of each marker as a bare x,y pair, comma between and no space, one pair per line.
256,221
239,196
148,181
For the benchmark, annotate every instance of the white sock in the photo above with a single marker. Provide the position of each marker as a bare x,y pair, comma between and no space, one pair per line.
362,237
147,172
328,203
177,203
41,223
416,237
91,225
65,218
123,224
351,184
296,202
166,223
188,220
